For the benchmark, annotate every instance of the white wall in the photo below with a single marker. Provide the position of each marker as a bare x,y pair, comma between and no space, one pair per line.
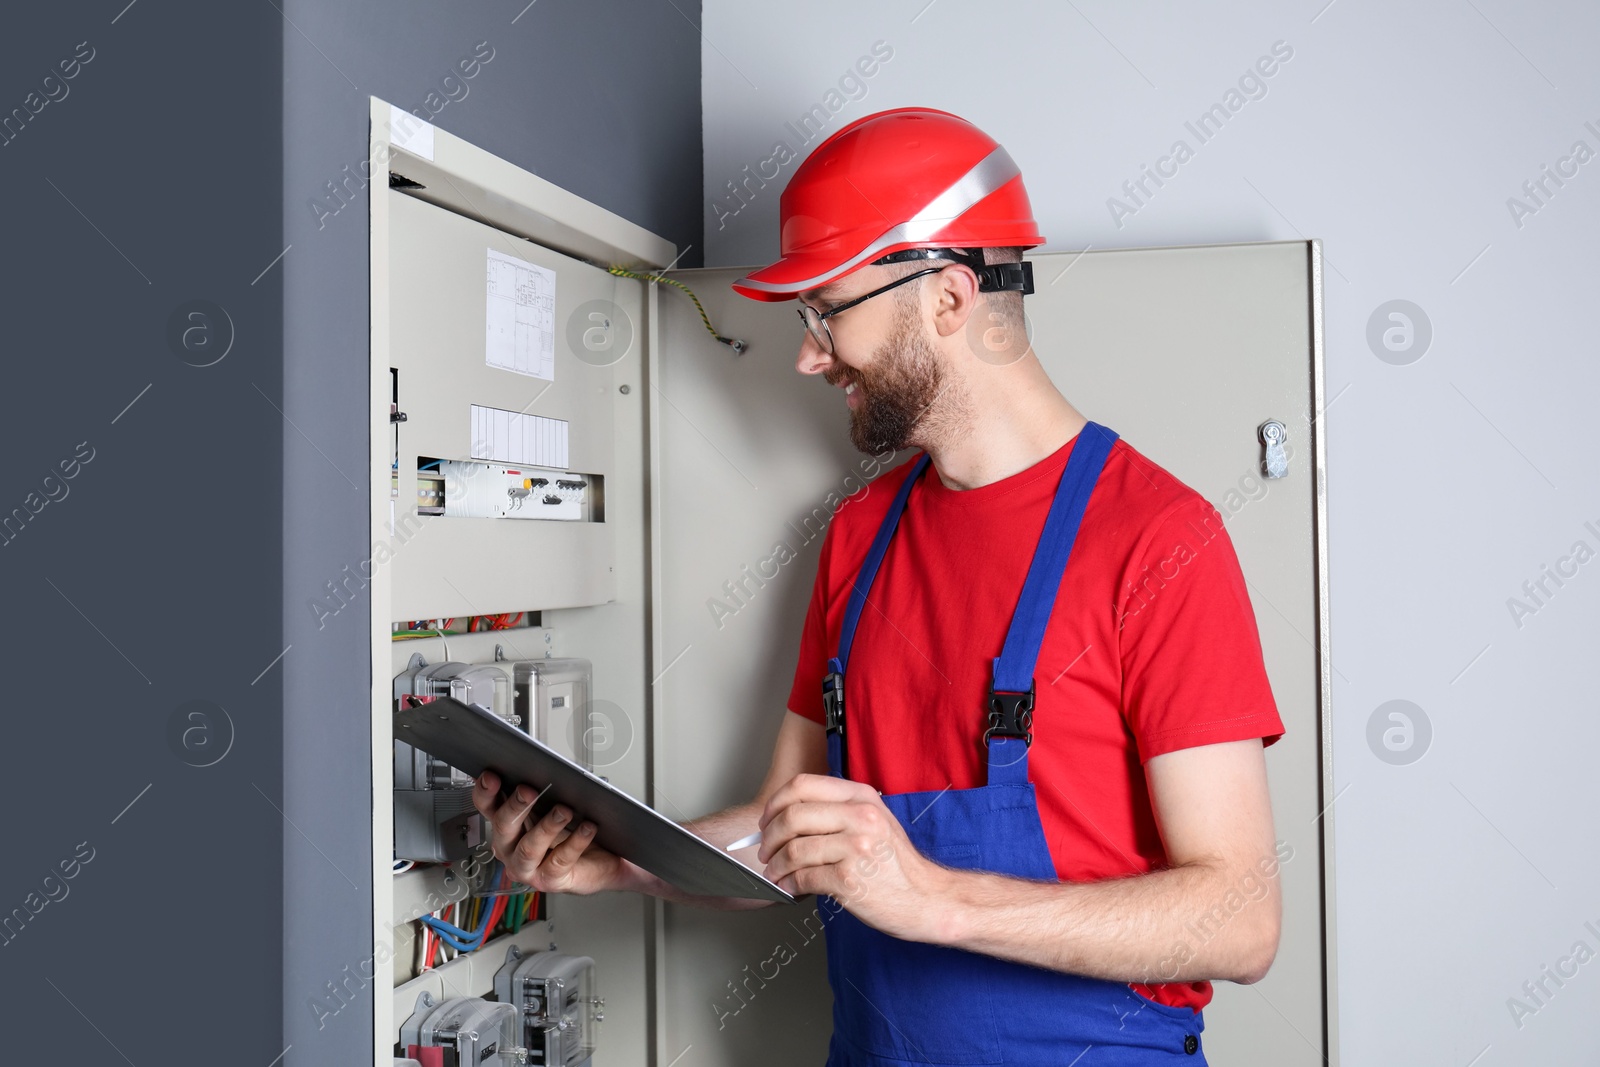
1396,133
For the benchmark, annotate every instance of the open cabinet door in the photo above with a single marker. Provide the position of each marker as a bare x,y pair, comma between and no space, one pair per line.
1186,352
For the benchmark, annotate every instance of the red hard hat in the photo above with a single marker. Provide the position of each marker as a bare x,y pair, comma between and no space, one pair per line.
911,177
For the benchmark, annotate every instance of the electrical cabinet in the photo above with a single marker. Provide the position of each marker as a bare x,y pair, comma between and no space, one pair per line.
635,509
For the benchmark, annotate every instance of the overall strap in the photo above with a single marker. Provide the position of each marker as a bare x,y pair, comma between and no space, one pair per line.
870,565
1011,694
833,682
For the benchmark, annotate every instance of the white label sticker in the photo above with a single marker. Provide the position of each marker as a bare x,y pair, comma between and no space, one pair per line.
514,437
410,133
520,331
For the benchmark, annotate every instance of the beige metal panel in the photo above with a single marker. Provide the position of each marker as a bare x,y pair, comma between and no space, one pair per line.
471,182
463,566
380,707
1319,457
748,452
616,928
1183,351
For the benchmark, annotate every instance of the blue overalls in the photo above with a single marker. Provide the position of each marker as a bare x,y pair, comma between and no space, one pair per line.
901,1002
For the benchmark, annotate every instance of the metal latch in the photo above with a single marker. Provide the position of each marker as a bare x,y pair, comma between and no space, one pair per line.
1275,463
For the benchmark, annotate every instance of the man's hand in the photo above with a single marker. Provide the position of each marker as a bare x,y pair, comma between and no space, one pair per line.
545,856
821,834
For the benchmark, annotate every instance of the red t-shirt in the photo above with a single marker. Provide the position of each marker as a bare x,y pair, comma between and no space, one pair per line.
1152,646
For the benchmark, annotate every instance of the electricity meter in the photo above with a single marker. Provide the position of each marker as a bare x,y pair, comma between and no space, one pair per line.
555,995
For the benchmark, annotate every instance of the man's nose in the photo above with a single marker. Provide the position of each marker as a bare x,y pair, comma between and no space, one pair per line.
811,359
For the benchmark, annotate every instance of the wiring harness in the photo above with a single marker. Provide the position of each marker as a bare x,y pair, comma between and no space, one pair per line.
468,925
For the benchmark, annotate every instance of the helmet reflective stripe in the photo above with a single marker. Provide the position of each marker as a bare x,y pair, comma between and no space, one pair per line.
989,174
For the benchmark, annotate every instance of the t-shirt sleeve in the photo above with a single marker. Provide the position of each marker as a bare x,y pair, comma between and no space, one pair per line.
1191,654
805,696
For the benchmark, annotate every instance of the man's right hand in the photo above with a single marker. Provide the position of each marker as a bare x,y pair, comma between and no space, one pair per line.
545,855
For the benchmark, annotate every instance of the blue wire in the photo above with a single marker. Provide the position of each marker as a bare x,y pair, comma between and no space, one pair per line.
459,946
435,463
454,931
450,933
456,937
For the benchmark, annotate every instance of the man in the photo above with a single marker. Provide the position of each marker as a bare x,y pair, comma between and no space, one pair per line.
1023,760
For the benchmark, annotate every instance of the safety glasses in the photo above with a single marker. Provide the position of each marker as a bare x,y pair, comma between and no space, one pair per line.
817,321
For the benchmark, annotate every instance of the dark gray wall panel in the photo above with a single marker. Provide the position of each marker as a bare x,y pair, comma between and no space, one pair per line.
153,577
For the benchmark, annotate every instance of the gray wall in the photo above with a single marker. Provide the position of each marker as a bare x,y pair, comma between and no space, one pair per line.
600,98
146,587
1397,133
206,789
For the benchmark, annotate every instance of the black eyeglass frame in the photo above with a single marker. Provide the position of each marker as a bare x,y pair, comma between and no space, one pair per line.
822,334
992,277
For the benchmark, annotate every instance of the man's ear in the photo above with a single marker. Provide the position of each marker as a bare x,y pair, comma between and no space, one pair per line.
956,297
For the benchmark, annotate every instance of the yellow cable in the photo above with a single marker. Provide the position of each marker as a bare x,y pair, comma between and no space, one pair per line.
622,272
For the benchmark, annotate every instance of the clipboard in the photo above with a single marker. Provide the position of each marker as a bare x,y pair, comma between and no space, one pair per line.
476,740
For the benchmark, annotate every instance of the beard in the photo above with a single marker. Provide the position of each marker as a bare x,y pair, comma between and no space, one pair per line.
897,392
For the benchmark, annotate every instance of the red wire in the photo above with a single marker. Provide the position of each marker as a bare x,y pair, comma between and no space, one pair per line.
494,916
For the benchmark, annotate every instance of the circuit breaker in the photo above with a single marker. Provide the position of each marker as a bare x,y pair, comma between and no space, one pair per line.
474,490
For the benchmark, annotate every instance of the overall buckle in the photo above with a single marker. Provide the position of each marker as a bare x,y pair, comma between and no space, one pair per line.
833,702
1010,714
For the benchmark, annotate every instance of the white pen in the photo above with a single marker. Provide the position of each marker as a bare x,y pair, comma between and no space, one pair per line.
745,842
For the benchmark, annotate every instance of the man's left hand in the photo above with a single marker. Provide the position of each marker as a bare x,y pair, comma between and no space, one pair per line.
821,834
